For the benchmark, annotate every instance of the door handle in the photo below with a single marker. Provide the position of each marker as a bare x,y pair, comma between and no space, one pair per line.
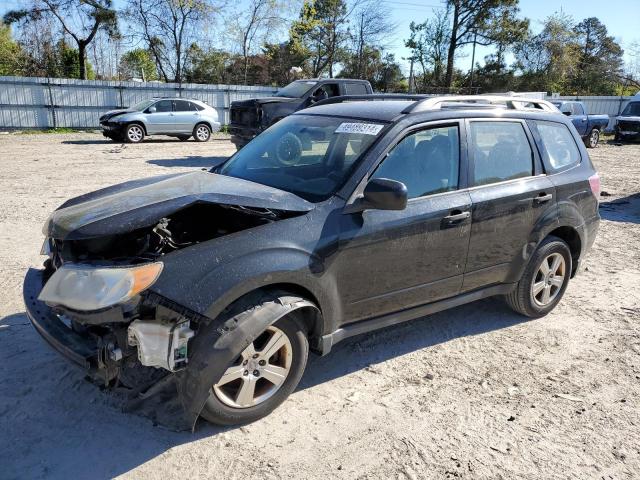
542,198
457,216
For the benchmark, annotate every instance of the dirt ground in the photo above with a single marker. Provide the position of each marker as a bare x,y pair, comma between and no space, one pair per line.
474,392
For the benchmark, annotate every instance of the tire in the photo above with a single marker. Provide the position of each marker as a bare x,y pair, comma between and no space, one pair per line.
184,138
202,132
134,133
522,299
593,138
219,408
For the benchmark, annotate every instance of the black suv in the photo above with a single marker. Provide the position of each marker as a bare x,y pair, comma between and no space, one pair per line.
203,292
250,117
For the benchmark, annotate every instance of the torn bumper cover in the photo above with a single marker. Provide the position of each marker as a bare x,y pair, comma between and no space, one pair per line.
175,400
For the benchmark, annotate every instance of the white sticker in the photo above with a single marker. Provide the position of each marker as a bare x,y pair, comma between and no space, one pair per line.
363,128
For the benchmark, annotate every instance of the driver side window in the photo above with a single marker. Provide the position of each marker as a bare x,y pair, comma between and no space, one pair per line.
163,106
426,161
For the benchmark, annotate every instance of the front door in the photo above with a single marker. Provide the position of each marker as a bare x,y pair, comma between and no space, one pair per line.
509,194
391,260
161,120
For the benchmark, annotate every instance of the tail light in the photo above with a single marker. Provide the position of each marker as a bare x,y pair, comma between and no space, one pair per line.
594,182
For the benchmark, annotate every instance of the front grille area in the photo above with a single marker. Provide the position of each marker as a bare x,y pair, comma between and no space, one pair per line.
243,116
629,126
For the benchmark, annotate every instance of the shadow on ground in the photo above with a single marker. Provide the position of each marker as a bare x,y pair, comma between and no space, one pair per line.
190,161
626,209
146,140
57,425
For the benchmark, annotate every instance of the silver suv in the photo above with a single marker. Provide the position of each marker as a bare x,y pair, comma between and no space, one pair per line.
176,117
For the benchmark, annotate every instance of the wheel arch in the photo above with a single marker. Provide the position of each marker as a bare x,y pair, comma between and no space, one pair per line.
571,236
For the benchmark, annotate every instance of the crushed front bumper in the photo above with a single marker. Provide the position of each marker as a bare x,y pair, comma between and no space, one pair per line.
81,350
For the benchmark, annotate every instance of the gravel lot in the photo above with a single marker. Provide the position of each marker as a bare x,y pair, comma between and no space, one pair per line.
475,392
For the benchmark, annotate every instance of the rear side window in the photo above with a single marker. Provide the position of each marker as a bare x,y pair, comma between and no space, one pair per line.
355,89
501,151
558,143
183,106
426,161
577,109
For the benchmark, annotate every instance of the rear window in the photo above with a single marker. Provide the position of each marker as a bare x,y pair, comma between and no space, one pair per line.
355,89
560,149
501,151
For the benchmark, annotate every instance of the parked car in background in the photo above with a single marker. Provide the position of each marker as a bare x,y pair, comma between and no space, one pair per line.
176,117
343,218
628,123
250,117
588,126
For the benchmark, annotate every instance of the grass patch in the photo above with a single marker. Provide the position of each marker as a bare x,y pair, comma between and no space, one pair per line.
52,130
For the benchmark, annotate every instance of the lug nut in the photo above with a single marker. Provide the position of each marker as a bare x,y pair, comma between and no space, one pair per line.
245,362
255,355
246,372
262,363
256,373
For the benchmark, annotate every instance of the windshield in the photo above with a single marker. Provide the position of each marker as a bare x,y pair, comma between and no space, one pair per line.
296,89
310,156
632,110
142,105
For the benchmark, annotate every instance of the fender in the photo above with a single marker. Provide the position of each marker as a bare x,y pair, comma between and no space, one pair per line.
177,400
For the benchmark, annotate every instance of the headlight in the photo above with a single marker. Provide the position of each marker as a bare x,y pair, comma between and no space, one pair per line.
81,287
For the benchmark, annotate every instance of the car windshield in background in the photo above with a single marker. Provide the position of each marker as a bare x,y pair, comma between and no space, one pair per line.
296,89
632,110
142,105
303,154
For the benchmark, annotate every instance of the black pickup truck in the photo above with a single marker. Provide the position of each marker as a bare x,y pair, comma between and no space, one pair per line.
250,117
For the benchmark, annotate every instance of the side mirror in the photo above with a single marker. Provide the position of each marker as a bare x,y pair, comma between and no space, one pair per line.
151,110
381,194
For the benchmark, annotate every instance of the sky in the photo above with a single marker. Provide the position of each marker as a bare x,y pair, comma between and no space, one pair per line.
622,18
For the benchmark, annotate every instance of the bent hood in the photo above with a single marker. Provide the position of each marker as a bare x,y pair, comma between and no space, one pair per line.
142,203
114,113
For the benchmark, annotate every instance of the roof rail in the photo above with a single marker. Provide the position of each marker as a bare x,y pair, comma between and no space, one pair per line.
483,101
375,96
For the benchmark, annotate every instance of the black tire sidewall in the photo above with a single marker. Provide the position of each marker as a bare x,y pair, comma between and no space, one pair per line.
546,248
216,412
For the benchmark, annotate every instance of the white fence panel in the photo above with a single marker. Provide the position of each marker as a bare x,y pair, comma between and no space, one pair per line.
29,102
611,106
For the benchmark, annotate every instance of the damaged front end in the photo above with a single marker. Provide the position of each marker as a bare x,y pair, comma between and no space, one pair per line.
94,301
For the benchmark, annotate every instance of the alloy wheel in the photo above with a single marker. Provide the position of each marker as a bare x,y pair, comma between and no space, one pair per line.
594,138
259,371
135,133
549,279
202,132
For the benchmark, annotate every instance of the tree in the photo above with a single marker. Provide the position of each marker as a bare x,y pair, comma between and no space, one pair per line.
253,25
169,27
370,32
484,22
283,58
80,19
207,66
12,57
429,44
320,33
138,63
600,62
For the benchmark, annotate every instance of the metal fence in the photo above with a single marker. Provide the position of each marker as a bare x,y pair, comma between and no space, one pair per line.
611,106
34,102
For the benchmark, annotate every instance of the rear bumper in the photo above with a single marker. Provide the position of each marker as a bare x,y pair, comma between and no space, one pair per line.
81,350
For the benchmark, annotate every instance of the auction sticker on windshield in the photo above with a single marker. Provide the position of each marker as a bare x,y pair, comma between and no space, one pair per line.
363,128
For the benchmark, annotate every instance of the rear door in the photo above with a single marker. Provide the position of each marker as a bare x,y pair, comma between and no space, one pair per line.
510,194
185,116
579,118
391,260
160,121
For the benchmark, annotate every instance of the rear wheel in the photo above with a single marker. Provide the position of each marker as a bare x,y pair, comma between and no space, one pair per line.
202,133
544,281
134,133
593,138
262,376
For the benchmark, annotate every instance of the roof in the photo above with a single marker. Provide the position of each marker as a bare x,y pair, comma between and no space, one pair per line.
369,110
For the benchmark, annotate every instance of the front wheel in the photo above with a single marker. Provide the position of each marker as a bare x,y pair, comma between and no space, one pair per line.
544,281
202,133
593,138
134,133
262,377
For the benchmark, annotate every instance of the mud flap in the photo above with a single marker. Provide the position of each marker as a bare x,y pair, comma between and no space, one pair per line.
175,402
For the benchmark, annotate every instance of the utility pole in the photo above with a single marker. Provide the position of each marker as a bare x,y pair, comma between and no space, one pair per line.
473,57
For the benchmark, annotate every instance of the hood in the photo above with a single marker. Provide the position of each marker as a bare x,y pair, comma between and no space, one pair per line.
262,101
142,203
114,113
